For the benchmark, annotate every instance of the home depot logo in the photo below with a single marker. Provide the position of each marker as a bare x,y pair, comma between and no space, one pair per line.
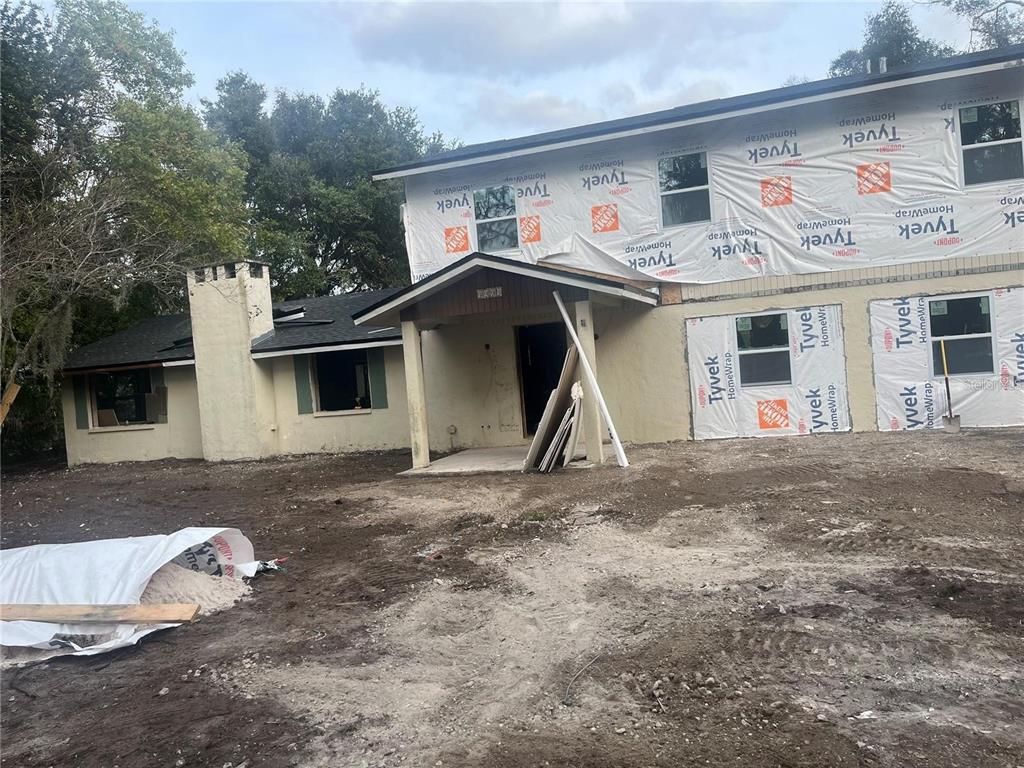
873,178
456,239
772,414
605,218
776,191
529,229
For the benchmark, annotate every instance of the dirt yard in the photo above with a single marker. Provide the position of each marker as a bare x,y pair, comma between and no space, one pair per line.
833,601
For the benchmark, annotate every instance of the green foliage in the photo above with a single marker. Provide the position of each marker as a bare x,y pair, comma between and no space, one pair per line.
890,33
319,221
994,23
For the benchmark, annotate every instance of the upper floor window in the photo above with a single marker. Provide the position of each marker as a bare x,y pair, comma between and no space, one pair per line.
122,397
342,380
964,327
763,346
496,226
990,138
685,193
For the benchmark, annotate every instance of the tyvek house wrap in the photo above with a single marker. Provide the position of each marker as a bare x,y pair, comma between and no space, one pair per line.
909,395
814,402
860,181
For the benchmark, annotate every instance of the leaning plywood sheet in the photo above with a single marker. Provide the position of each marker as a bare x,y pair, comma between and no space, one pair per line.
558,440
109,571
557,403
158,613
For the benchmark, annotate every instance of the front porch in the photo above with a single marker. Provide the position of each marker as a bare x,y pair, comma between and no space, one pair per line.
481,341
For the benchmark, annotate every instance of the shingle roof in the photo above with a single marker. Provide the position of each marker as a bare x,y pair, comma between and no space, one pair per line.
326,321
155,339
775,97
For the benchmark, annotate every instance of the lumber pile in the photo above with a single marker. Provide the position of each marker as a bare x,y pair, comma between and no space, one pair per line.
134,613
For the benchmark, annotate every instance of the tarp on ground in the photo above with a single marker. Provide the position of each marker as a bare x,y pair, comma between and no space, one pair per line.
108,572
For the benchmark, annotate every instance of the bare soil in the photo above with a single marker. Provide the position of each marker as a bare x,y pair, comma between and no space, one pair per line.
850,600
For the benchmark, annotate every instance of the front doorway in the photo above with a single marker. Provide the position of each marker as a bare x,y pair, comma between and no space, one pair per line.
541,356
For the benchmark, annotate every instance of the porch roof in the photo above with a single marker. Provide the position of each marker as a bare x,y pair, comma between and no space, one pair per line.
387,311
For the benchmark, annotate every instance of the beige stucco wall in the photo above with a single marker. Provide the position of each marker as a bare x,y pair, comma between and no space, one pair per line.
641,353
237,396
371,429
179,438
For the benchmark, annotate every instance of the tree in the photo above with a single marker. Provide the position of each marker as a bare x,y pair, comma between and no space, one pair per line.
994,23
890,33
316,217
109,184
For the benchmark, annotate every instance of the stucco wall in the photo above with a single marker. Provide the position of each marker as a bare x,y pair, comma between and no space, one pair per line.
371,429
472,383
179,438
641,354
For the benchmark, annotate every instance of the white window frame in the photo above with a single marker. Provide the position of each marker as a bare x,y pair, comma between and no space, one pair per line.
661,194
314,371
514,217
991,333
964,186
739,352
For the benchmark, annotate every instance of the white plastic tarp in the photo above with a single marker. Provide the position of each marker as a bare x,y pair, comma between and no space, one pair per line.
859,181
909,394
109,571
815,401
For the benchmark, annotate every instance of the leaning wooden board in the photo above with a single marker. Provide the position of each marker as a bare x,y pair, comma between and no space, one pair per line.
557,403
154,613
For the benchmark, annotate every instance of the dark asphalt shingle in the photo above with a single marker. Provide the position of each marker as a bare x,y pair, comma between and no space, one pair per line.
327,321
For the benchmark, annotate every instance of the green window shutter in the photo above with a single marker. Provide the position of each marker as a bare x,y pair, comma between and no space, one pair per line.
81,402
378,379
303,390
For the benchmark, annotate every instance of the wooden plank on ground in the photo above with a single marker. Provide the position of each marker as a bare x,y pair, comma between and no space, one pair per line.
153,613
557,403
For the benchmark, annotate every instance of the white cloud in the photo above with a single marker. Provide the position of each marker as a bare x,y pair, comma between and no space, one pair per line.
515,113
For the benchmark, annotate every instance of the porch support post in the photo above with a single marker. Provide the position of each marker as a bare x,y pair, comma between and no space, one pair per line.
592,428
415,394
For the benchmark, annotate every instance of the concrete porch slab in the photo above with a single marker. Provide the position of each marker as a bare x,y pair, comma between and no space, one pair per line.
475,460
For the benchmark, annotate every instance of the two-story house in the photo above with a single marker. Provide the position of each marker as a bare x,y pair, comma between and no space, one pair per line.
805,260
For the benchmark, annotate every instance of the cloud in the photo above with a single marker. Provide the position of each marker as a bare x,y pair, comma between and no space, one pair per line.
528,40
538,110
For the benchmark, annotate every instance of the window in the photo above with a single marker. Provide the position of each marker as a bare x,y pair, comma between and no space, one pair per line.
200,275
496,225
229,270
121,398
255,269
342,380
685,194
763,343
991,141
965,325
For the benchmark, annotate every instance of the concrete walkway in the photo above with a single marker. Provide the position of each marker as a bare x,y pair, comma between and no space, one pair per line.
476,460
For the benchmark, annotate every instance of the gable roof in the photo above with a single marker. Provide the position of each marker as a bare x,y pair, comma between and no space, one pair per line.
385,310
325,321
715,109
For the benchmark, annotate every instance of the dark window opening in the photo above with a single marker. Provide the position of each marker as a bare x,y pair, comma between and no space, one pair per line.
121,398
685,192
200,275
342,380
990,136
763,343
229,270
255,270
497,228
964,327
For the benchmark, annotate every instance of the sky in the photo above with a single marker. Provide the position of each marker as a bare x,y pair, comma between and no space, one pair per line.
483,71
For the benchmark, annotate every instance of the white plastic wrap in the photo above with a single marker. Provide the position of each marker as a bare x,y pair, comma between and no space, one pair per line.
815,401
109,571
861,181
910,395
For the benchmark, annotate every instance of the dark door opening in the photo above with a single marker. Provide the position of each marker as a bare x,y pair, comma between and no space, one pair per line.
541,356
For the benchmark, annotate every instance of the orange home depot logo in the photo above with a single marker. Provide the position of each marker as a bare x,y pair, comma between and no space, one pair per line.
605,218
873,178
456,239
778,190
772,414
529,229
